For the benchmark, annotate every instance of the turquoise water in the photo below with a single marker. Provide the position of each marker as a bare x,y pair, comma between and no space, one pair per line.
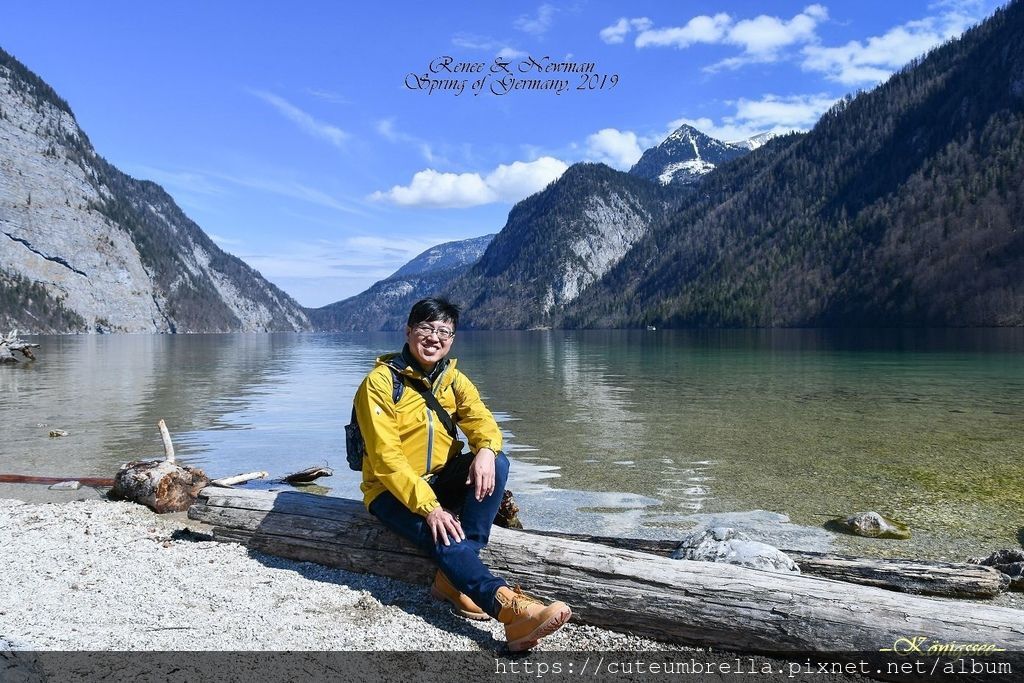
611,432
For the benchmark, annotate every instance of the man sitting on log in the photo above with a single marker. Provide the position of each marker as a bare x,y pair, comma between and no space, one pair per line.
420,484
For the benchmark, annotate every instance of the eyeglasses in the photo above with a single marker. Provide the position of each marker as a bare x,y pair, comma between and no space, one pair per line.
443,333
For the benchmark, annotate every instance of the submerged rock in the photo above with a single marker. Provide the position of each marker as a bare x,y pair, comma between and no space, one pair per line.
724,544
872,525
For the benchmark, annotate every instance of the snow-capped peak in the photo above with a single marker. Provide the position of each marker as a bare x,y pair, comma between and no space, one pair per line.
754,141
684,156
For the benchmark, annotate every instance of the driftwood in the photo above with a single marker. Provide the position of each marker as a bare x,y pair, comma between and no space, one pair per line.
12,343
32,479
308,475
165,436
703,603
946,579
160,485
238,479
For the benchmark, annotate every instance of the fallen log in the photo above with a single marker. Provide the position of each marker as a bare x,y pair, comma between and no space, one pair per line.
32,479
702,603
945,579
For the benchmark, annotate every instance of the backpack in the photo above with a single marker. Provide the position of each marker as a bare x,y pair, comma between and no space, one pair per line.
355,445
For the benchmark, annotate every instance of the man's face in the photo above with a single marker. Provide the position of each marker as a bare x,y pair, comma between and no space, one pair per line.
427,341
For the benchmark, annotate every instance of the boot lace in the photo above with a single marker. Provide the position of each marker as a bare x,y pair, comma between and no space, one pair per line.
521,602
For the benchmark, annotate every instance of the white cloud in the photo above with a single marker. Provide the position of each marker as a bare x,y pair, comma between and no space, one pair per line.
765,35
223,241
769,38
618,149
506,183
876,58
701,29
539,24
617,32
771,113
512,182
761,37
292,189
212,183
471,41
783,113
306,122
328,96
386,127
430,188
185,181
510,53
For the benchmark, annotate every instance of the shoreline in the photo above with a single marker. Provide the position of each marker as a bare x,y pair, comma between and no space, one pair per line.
99,576
107,576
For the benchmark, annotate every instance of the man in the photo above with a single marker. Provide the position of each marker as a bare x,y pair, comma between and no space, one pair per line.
419,483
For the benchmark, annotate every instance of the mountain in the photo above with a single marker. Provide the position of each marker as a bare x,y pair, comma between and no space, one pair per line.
901,207
86,248
446,256
556,243
685,156
754,141
385,305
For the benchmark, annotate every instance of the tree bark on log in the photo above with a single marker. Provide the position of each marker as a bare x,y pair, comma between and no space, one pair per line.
702,603
945,579
160,485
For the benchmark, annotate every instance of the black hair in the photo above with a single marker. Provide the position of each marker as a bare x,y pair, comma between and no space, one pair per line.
430,310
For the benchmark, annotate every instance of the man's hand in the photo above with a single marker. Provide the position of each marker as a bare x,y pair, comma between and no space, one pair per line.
481,473
444,524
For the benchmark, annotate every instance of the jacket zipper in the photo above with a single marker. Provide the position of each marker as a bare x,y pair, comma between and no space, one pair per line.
430,435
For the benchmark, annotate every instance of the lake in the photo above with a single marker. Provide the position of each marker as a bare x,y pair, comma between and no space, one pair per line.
637,433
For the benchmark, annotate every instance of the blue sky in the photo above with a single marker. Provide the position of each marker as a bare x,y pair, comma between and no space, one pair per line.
297,134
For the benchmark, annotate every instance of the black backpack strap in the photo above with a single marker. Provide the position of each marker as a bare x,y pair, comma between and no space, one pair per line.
436,406
399,383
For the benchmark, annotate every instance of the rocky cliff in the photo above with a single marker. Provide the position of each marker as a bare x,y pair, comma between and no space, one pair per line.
86,248
557,243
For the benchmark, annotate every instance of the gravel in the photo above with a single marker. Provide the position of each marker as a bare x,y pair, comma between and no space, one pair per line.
97,575
84,582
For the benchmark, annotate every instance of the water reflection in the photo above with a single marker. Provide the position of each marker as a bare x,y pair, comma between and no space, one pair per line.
610,431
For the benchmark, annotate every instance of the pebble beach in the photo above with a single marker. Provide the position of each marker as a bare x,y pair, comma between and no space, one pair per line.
95,576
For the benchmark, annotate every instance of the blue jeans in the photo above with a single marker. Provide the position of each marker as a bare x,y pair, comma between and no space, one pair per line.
459,561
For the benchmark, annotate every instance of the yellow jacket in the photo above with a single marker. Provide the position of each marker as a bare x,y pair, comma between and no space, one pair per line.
406,442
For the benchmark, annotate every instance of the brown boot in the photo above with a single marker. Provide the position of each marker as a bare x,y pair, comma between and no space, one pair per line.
461,604
527,619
